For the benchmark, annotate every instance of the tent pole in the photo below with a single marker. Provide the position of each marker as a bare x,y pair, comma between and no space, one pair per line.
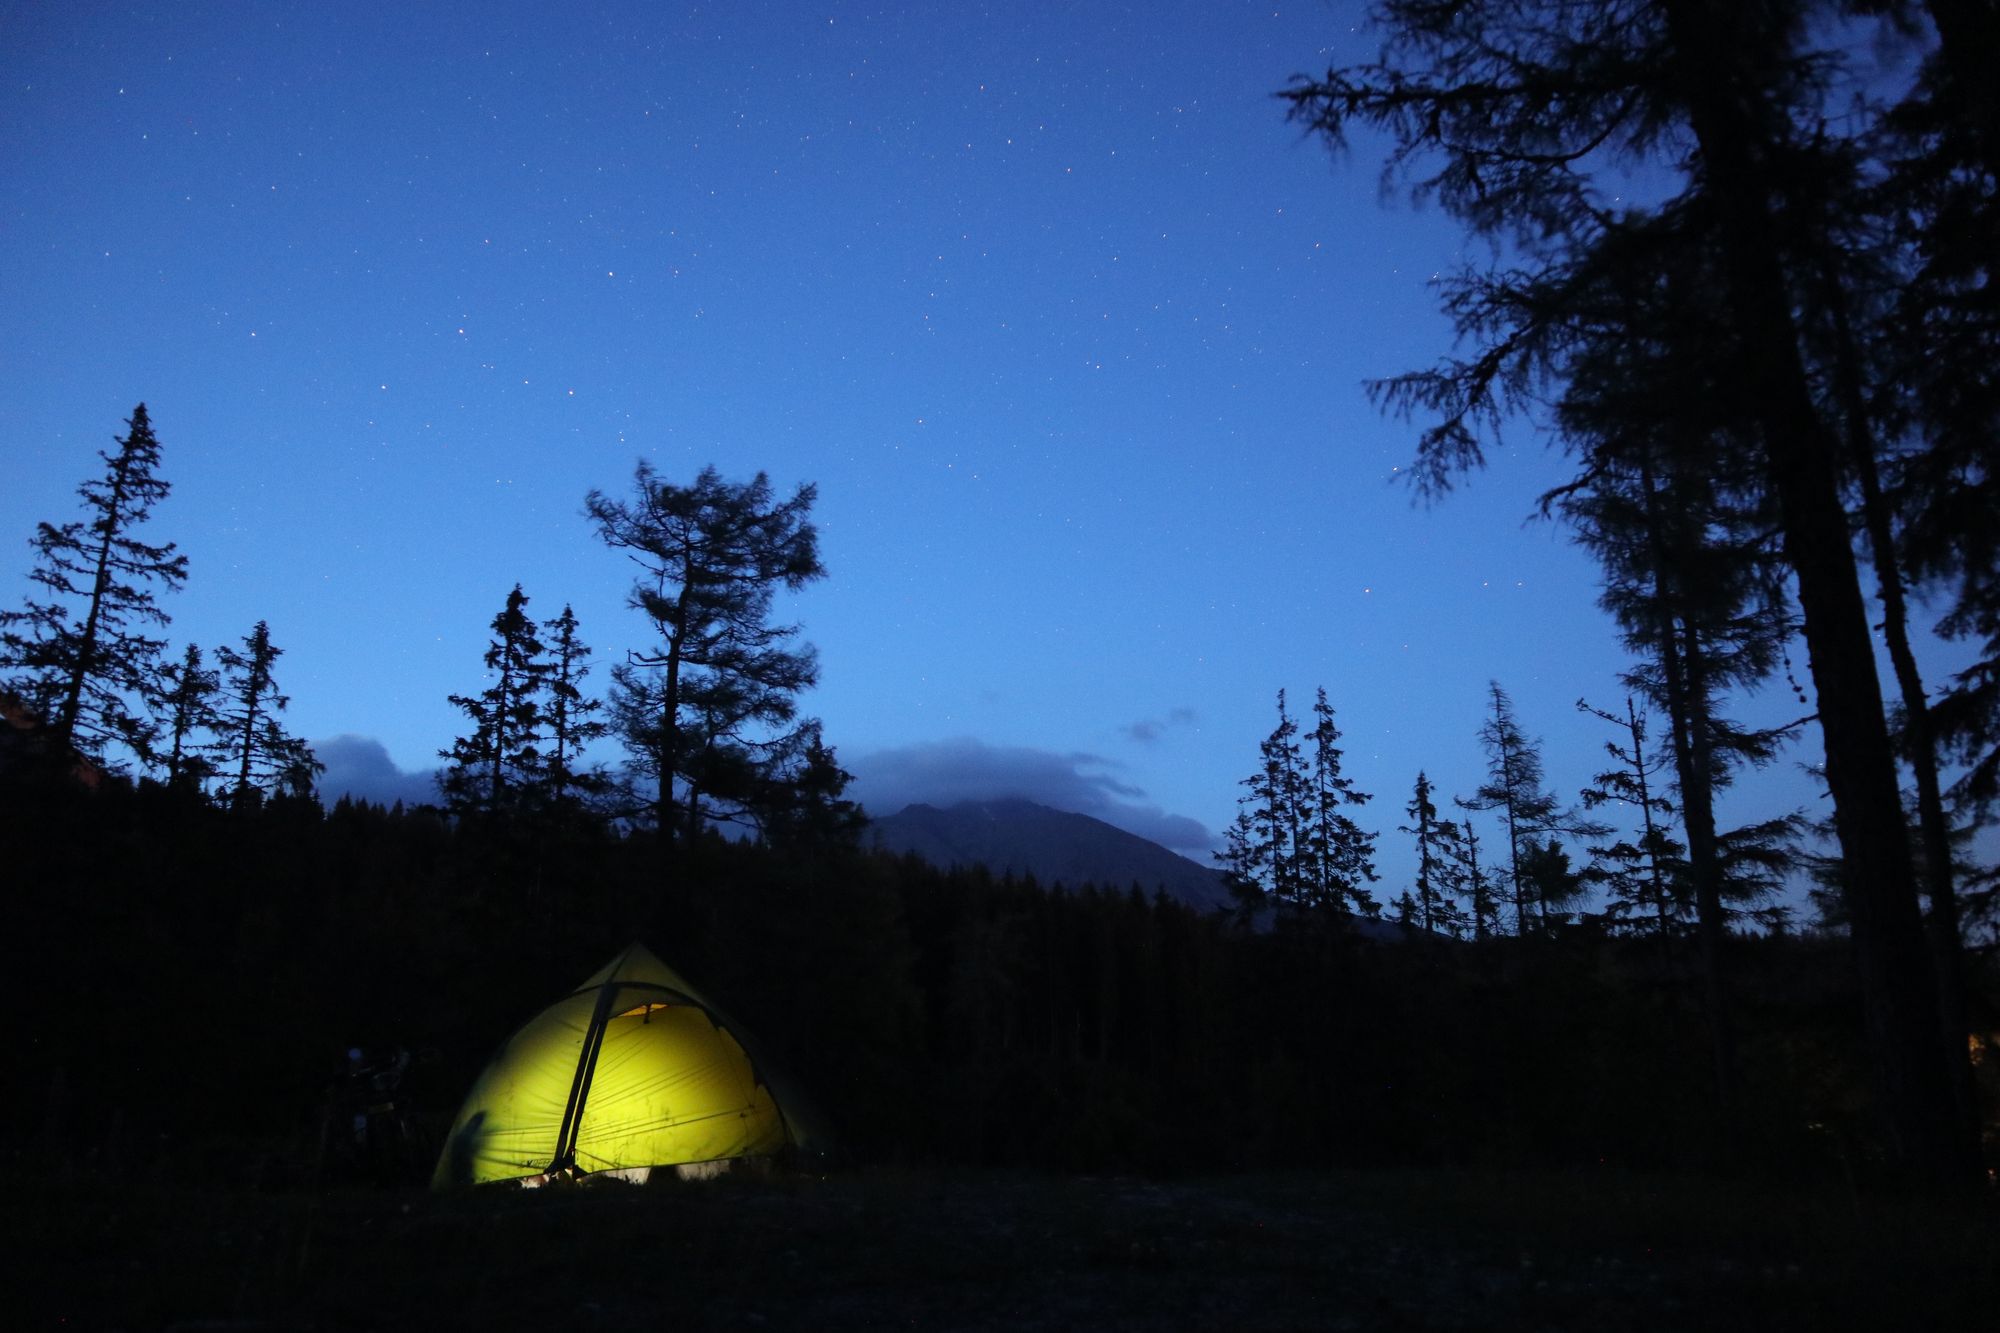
579,1088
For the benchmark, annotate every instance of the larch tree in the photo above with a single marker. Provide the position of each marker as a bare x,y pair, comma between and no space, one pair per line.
83,659
1933,513
1521,120
695,710
1514,788
1639,878
1475,881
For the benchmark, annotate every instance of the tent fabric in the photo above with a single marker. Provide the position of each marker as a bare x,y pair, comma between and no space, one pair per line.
632,1069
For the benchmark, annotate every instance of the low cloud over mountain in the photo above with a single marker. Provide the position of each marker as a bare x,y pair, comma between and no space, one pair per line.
360,766
950,773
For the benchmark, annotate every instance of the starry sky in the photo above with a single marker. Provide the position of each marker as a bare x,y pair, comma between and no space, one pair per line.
1068,325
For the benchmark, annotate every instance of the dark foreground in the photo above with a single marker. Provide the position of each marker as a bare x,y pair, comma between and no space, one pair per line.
1356,1250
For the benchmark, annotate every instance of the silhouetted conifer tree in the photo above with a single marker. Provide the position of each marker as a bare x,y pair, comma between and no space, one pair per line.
694,711
266,761
1638,878
82,659
1433,899
1513,787
1553,883
1476,886
1690,577
1341,855
1291,844
1262,851
498,766
188,718
571,719
803,806
1519,107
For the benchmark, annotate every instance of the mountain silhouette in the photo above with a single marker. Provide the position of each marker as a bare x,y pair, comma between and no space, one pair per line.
1055,846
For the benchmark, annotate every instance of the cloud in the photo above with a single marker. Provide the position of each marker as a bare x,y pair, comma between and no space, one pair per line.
360,766
1149,729
947,773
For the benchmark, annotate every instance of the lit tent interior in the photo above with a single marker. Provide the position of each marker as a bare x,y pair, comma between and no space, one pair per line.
634,1069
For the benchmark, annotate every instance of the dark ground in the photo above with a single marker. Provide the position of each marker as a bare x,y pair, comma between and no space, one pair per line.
1351,1250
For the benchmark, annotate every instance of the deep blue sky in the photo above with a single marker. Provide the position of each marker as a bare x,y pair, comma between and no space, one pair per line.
1063,318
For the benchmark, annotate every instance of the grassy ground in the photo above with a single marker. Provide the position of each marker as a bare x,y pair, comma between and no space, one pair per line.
1353,1250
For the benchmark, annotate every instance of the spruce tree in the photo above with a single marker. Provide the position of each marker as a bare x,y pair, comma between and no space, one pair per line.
1341,853
189,720
82,659
803,807
1279,789
261,758
493,769
1292,844
1553,883
1433,896
571,721
1452,879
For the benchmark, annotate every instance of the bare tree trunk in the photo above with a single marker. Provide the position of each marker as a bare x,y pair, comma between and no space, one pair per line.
1919,736
1893,960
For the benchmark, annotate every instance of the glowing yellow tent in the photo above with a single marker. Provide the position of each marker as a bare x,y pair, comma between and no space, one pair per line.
634,1069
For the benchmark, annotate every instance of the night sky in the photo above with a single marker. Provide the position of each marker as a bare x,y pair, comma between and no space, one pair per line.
1066,322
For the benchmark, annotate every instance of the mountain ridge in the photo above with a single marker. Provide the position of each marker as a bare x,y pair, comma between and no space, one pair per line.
1018,836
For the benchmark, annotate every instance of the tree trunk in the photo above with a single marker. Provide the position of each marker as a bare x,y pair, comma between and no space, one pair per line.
1897,984
1919,736
86,647
1687,715
1657,880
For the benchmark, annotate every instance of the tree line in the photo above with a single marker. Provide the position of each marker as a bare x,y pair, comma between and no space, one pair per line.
707,714
87,664
1294,849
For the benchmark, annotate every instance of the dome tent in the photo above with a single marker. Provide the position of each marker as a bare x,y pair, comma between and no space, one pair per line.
632,1069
